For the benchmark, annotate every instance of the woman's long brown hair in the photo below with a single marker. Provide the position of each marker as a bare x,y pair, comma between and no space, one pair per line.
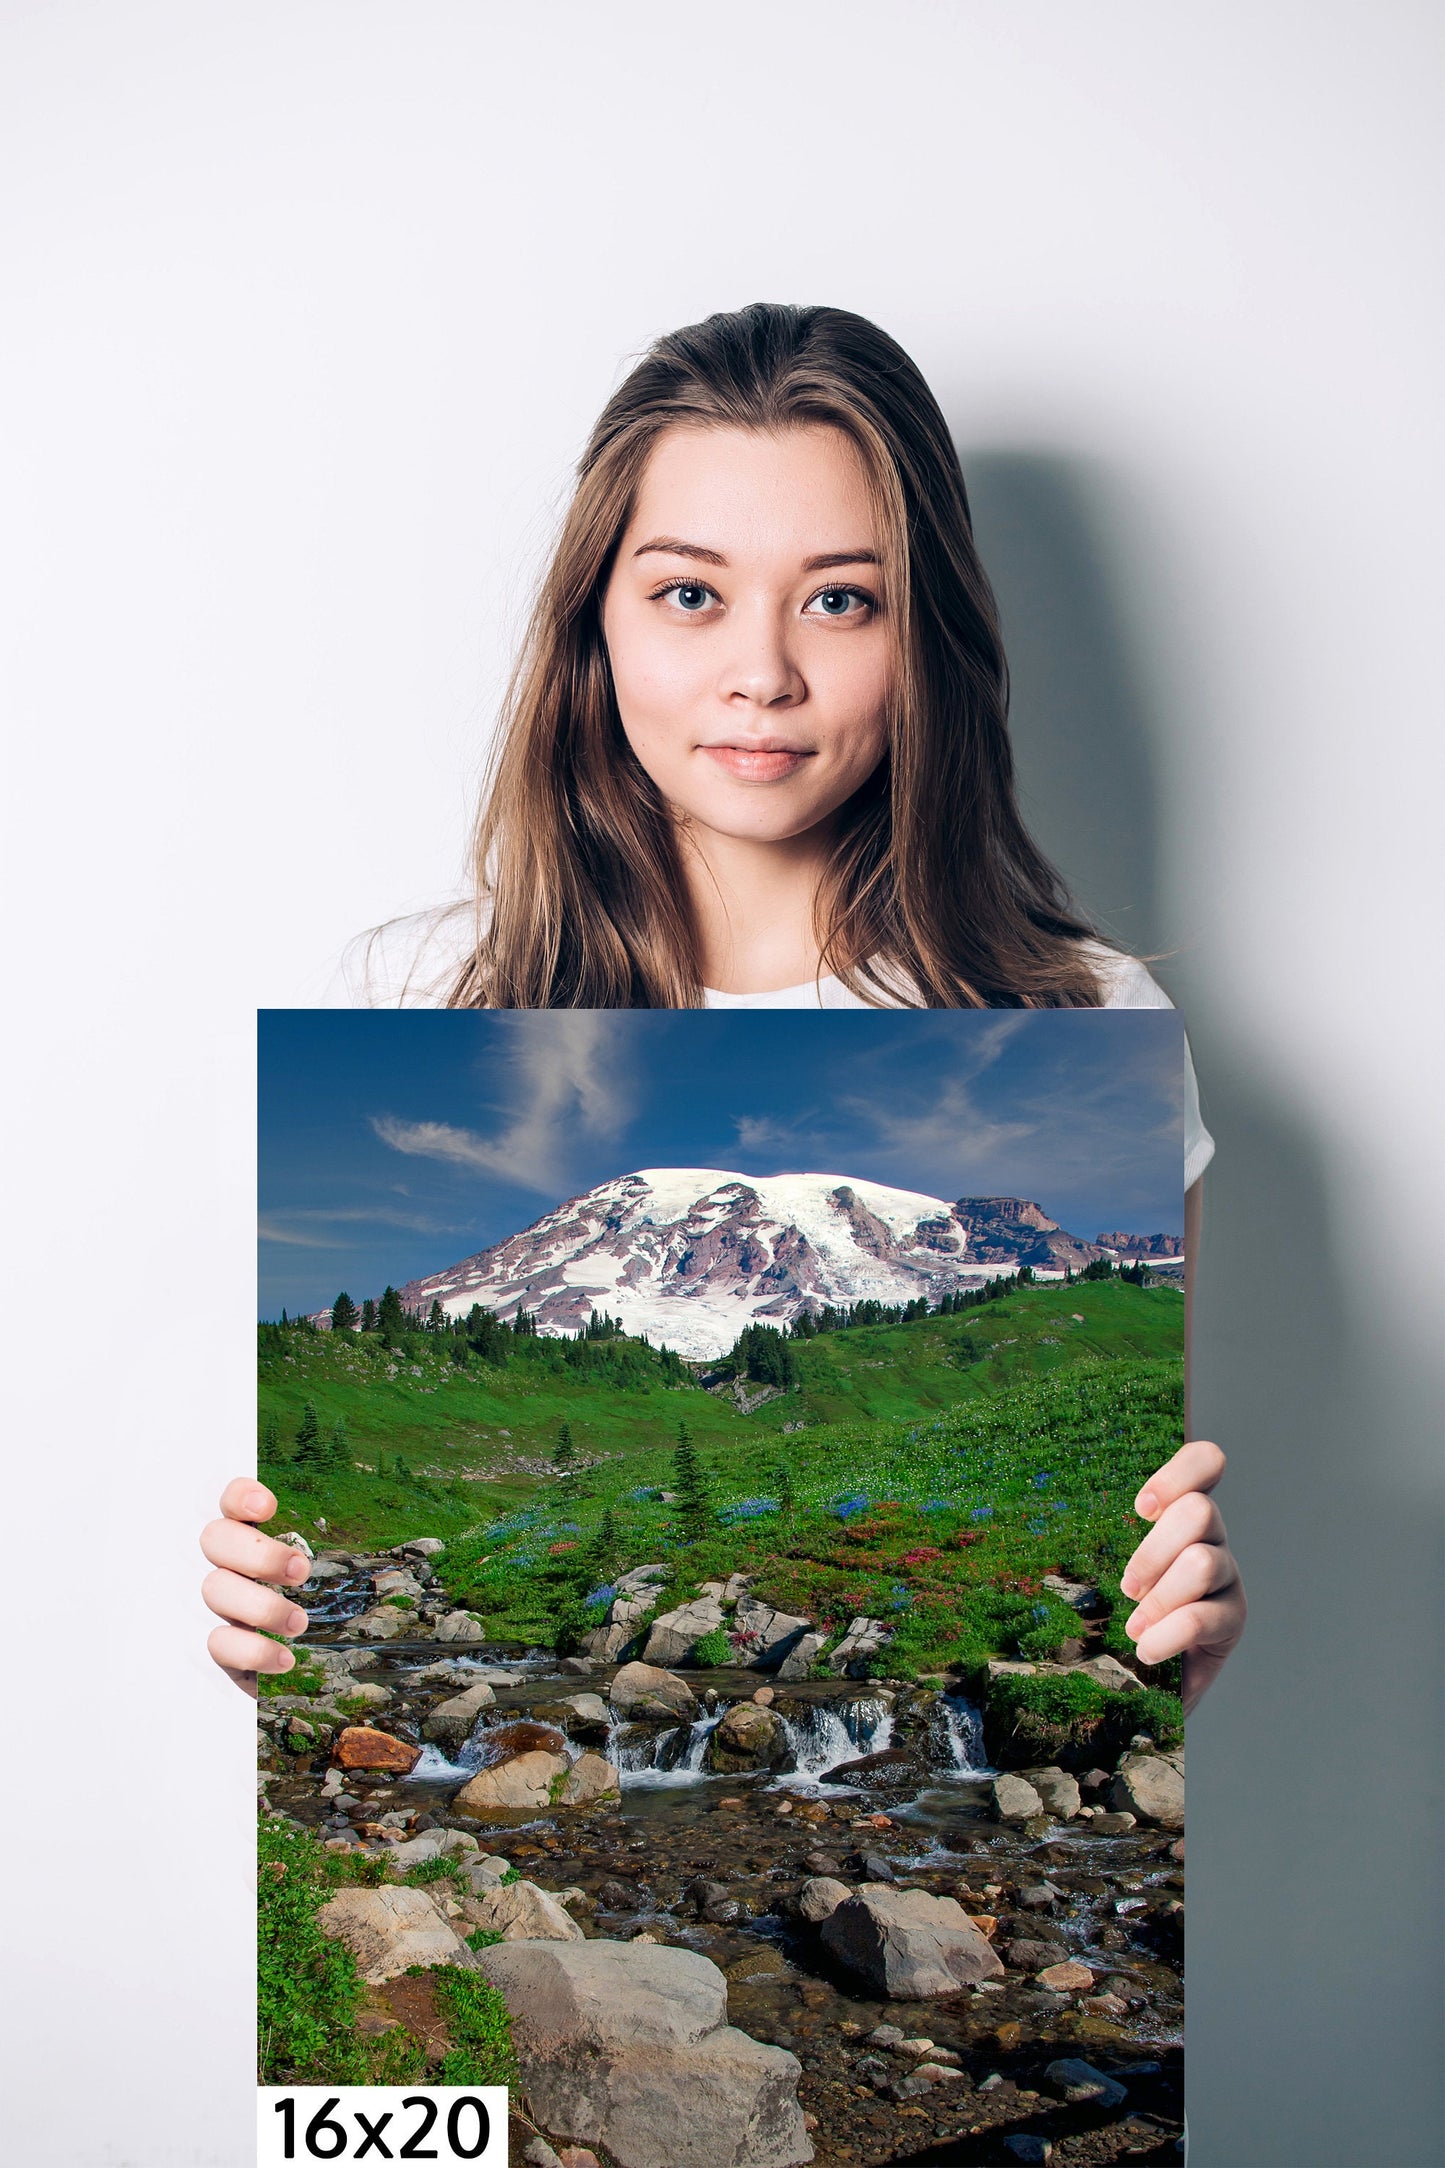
937,894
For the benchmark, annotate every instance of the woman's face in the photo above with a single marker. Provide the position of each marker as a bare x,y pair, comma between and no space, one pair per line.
747,627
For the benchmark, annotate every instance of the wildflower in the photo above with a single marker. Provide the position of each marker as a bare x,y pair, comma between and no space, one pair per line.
747,1509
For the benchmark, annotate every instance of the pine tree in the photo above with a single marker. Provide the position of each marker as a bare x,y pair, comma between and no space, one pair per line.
390,1317
368,1315
343,1313
338,1445
436,1318
565,1455
693,1490
601,1553
271,1443
308,1437
787,1497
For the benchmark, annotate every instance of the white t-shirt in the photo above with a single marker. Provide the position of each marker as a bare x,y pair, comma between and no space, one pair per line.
413,963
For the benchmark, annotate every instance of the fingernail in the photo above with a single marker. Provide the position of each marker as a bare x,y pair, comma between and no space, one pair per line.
256,1501
297,1623
1146,1505
1129,1586
297,1568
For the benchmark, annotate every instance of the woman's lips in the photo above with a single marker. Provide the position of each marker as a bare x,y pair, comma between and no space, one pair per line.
758,763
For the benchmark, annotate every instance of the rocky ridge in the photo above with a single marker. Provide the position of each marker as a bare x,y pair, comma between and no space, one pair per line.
689,1256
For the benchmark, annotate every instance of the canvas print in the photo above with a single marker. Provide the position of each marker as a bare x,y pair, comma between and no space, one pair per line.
715,1438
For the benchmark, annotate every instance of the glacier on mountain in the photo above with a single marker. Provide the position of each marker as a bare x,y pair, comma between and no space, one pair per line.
691,1255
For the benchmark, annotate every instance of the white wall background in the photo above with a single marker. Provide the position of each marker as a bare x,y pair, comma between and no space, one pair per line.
308,308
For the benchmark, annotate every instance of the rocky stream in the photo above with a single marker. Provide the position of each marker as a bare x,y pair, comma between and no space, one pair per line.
806,1907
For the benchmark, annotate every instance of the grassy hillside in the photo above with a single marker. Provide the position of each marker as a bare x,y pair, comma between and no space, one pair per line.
942,1466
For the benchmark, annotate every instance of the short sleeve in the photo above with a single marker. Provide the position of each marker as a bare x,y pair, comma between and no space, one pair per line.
1127,985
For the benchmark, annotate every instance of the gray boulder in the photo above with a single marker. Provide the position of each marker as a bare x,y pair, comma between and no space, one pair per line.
460,1626
646,1690
1109,1672
1014,1799
771,1635
627,1614
383,1624
395,1581
451,1671
419,1547
1058,1791
1080,2084
452,1722
673,1636
802,1656
591,1716
855,1653
910,1944
749,1737
1149,1788
1081,1596
484,1872
820,1897
640,1577
520,1912
590,1778
526,1781
389,1928
415,1850
626,2045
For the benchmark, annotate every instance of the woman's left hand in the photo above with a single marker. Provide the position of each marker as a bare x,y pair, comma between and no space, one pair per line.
1183,1578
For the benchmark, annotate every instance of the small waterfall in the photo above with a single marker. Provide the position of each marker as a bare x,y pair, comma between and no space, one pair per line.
659,1758
962,1738
689,1760
832,1732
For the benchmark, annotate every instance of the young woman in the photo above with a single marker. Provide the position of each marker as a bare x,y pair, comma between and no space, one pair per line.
755,754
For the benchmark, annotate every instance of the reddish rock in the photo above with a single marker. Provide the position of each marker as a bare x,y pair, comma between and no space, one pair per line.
1066,1978
501,1741
358,1747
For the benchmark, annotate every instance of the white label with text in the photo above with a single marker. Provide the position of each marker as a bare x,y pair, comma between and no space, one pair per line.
376,2123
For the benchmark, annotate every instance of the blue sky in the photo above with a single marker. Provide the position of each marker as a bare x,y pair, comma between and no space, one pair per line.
393,1143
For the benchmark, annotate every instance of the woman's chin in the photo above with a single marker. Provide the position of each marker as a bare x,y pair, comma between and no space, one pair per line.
764,820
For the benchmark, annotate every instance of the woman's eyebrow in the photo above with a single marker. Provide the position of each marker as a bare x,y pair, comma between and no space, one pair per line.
670,546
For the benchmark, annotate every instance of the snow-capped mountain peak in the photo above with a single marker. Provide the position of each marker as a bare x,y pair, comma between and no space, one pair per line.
690,1255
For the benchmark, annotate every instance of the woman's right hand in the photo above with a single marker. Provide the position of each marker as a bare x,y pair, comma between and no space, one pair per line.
244,1560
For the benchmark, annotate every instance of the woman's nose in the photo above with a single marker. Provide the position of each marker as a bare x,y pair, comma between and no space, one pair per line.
760,668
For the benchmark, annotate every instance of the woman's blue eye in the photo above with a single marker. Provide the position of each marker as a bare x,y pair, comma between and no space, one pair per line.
838,601
691,595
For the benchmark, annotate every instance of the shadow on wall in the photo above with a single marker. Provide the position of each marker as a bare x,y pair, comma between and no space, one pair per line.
1086,727
1314,1874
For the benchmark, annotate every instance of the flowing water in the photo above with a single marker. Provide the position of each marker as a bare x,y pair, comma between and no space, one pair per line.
962,1729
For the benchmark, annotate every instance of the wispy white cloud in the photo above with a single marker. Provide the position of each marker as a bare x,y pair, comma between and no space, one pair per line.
567,1074
950,1127
295,1238
762,1133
